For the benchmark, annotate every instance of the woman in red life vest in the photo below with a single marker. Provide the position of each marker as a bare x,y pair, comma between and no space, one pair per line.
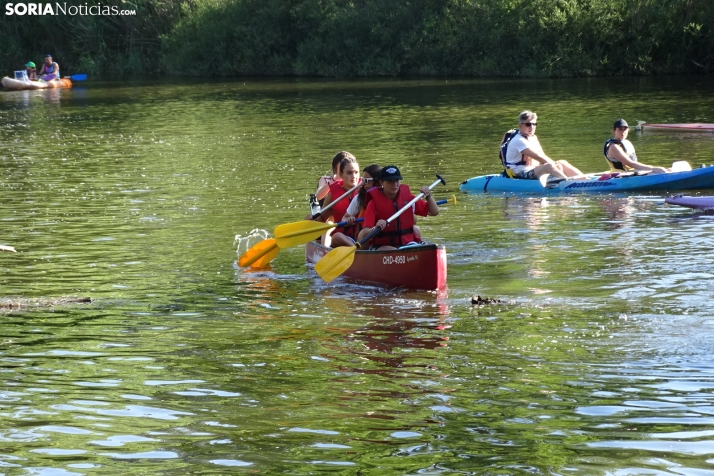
358,205
388,200
323,184
349,177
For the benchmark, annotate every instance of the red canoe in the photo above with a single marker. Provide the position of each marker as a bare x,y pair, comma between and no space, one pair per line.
692,127
414,267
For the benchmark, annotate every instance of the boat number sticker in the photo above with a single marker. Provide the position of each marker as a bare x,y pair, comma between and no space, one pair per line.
400,259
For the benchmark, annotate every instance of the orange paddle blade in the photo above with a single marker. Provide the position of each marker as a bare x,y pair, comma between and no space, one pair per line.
336,262
260,254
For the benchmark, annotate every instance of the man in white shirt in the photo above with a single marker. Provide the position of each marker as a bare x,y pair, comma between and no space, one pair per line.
524,148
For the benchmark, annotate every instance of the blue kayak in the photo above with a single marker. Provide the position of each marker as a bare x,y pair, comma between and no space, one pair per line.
697,179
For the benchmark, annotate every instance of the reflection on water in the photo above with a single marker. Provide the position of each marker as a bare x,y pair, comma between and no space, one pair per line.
139,195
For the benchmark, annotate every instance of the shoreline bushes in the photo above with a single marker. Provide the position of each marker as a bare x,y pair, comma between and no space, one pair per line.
348,38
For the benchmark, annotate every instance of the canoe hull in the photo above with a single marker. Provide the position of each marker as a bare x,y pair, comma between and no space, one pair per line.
697,179
11,84
418,267
692,127
691,202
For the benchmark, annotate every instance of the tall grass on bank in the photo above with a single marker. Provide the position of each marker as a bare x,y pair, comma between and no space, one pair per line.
345,38
93,44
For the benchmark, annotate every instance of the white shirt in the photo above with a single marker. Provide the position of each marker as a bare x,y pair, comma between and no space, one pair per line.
514,153
353,209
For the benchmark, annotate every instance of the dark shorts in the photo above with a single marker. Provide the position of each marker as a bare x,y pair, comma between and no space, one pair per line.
528,174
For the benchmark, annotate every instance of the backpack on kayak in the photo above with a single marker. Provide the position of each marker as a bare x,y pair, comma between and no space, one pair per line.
510,134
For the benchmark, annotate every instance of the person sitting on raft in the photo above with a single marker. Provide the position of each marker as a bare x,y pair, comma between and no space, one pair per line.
349,178
525,148
623,157
385,202
31,71
49,68
323,184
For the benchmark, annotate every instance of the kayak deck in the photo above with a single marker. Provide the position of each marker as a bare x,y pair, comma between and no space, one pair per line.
11,84
702,203
696,179
684,127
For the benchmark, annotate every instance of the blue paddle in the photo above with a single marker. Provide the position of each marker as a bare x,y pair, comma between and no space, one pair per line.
74,77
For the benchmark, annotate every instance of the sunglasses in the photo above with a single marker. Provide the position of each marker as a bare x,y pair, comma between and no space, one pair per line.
528,124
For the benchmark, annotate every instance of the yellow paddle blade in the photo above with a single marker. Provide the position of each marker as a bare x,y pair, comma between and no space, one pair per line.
335,262
299,232
452,199
260,254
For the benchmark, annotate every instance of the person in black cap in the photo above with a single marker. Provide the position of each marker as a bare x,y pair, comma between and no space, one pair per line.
385,201
620,153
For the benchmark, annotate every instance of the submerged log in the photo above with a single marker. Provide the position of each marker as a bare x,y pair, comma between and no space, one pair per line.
21,304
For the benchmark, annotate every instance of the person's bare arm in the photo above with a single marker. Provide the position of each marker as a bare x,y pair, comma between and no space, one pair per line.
540,158
618,154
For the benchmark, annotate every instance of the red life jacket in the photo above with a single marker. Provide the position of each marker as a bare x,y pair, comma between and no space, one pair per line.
401,230
340,208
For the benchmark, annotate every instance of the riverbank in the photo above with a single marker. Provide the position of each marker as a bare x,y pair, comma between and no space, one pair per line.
373,38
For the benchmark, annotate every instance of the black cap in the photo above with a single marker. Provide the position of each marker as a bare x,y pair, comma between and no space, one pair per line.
390,172
620,123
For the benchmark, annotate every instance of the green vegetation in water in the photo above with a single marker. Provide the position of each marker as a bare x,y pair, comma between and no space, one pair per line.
375,38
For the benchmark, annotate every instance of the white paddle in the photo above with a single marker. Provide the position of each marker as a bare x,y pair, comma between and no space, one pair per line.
543,179
681,166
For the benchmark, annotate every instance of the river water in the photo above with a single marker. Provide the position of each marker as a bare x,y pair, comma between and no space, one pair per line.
597,360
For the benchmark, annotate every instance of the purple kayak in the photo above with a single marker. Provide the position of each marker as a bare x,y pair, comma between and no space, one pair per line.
691,202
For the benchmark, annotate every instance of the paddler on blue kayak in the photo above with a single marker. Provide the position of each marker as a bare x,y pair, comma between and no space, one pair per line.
620,153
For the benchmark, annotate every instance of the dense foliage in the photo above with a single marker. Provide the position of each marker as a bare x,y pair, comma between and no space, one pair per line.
377,37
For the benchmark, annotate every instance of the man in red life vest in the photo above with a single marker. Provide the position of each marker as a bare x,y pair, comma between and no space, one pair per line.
388,200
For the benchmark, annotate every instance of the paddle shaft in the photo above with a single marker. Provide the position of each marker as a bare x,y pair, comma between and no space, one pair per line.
360,220
377,229
344,223
333,202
